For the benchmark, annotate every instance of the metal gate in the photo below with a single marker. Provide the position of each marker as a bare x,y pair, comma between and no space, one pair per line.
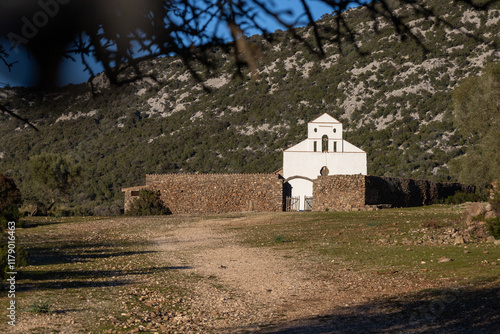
292,203
308,203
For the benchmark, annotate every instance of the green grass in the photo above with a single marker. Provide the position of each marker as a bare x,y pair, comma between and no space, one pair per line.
40,306
352,239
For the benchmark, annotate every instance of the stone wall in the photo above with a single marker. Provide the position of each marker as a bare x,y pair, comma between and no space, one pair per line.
130,194
218,193
400,192
339,192
346,192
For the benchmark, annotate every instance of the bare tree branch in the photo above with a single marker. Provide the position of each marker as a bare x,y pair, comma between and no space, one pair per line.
116,32
13,114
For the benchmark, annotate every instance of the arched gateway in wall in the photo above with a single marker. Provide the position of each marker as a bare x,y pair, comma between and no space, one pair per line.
294,185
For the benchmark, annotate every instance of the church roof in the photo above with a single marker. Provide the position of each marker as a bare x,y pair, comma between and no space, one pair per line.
325,118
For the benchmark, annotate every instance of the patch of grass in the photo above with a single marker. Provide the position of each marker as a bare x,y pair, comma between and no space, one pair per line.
40,307
280,239
352,239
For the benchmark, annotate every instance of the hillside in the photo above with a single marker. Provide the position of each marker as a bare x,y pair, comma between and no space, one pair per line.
395,103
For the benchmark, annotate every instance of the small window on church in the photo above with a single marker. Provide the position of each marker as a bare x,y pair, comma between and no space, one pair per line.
315,129
315,146
324,146
334,146
334,130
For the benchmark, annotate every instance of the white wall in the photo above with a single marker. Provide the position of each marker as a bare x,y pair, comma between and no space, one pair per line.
309,164
302,160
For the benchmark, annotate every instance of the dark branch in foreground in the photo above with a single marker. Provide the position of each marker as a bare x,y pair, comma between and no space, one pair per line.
13,114
116,32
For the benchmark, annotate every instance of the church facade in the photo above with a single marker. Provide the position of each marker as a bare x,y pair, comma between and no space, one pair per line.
324,152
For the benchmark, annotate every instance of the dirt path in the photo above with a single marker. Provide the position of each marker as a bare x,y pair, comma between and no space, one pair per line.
191,274
245,288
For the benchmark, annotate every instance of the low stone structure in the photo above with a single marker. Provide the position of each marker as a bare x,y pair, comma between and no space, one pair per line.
400,192
345,192
339,192
221,193
214,193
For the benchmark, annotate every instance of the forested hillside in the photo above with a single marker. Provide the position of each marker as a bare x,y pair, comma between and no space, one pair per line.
393,96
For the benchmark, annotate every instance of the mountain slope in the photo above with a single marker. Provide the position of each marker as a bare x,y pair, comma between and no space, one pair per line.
395,103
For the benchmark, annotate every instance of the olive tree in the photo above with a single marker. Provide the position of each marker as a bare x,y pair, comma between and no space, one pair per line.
477,117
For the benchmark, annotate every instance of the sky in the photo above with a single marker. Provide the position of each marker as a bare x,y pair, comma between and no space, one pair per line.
73,72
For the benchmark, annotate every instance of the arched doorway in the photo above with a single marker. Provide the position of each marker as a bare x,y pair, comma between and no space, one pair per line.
324,143
298,192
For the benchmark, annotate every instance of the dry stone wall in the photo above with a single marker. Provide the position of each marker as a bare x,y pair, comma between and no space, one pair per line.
347,192
400,192
221,193
339,192
218,193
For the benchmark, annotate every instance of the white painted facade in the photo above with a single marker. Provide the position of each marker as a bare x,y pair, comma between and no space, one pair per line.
324,147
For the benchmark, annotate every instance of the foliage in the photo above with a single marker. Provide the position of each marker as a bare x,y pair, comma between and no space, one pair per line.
9,193
477,117
111,31
148,203
56,174
493,225
461,197
494,200
40,306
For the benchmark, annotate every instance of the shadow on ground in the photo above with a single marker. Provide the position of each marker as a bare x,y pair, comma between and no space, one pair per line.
474,310
77,252
74,279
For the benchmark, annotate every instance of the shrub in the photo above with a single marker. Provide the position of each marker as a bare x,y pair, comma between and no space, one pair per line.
41,307
148,203
107,210
461,197
495,202
494,227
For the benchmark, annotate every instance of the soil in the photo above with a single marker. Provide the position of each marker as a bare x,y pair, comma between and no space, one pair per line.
234,287
265,290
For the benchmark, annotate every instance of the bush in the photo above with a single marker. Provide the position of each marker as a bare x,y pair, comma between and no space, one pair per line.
495,202
461,197
107,210
148,203
11,214
494,227
41,307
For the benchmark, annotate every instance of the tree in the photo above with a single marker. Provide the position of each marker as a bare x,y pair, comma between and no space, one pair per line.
55,174
10,199
477,117
9,193
120,34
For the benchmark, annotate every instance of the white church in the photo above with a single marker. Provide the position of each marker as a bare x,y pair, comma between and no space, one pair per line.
324,152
